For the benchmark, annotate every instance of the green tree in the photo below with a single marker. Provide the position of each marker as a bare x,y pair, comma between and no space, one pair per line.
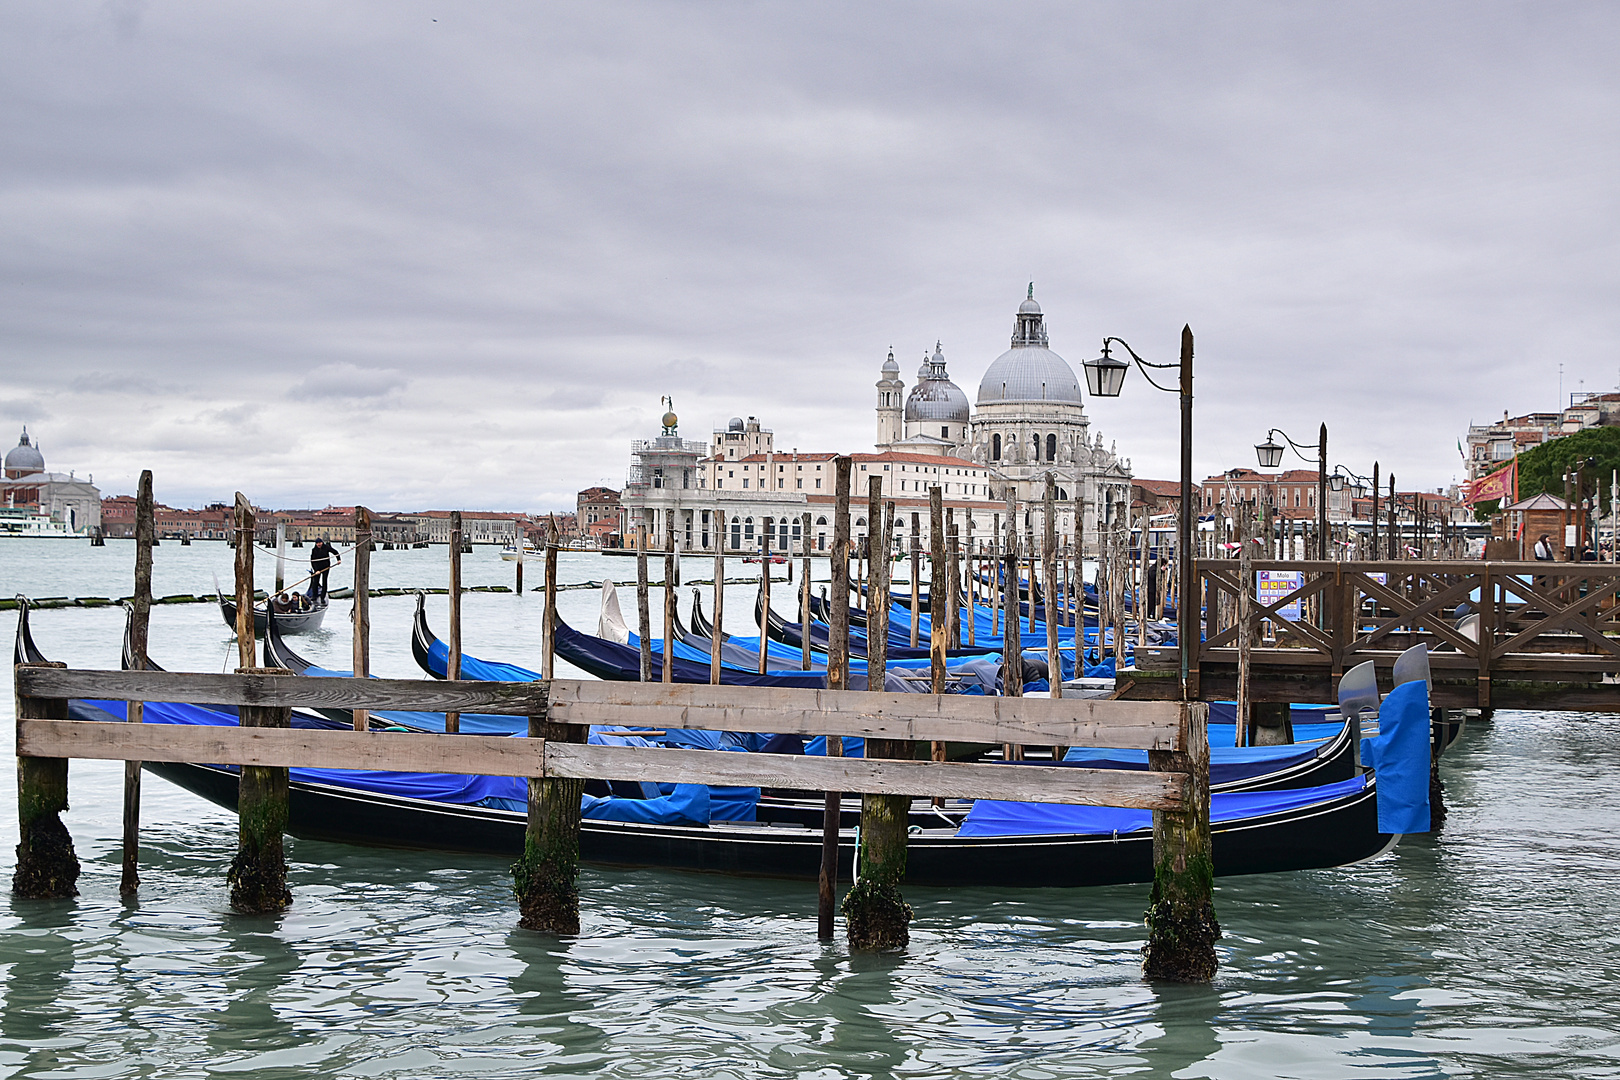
1542,468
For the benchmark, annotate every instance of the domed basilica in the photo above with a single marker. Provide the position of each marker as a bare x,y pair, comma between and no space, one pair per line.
1028,420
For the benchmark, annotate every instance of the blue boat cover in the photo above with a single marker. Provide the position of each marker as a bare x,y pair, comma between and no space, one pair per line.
990,818
677,803
471,723
1399,753
1225,712
1226,763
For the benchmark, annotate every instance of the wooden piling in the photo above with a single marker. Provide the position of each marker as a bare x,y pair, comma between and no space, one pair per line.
938,618
1142,598
140,615
244,582
548,658
258,874
281,557
953,578
1054,660
47,867
765,595
1182,929
643,616
804,594
1245,693
997,581
837,679
716,638
545,879
452,671
362,606
668,667
522,542
973,583
876,915
916,574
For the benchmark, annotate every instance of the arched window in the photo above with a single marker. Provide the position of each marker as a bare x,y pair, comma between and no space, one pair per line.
995,447
748,529
860,522
1051,448
1037,441
821,521
736,535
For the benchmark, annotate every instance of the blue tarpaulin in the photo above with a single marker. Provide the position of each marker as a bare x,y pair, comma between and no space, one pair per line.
1399,753
991,818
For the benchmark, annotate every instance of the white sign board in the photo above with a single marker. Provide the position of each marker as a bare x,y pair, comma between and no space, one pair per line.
1271,586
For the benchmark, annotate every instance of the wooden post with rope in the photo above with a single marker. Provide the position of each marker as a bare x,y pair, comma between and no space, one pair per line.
643,616
667,667
452,669
804,594
765,594
362,605
548,659
244,582
140,614
718,635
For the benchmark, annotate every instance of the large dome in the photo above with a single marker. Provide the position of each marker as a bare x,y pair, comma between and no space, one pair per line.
935,397
24,458
1029,371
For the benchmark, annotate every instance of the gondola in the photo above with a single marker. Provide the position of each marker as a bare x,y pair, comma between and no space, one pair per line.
288,622
613,662
1000,844
1272,768
790,634
1330,826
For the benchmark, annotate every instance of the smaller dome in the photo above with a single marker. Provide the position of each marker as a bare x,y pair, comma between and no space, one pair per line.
1030,306
24,458
734,424
891,368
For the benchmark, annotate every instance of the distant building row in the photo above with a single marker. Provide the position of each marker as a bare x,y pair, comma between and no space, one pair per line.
1492,446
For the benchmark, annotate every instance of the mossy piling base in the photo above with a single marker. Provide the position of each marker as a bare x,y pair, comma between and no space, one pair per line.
1181,924
545,879
47,867
876,916
258,874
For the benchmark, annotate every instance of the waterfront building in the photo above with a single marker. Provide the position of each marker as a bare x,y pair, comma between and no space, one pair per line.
63,497
1029,422
599,517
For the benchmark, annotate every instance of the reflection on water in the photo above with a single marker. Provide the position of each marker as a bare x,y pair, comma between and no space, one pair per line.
1487,951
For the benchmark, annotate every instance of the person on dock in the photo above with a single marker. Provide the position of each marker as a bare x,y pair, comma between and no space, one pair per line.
321,558
1543,549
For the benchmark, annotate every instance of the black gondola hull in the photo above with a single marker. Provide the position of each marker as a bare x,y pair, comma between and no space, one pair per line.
1331,834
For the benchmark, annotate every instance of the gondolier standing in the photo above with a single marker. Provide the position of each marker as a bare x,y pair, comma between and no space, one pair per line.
321,558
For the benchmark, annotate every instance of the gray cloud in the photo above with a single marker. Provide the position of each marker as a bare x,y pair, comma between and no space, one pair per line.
347,381
501,226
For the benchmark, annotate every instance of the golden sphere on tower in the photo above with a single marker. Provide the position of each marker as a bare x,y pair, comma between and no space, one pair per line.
670,419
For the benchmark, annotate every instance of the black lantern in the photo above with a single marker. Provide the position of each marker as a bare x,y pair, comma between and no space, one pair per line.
1105,376
1269,452
1336,481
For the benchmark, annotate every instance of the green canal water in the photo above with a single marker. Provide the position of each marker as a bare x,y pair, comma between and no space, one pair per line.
1492,949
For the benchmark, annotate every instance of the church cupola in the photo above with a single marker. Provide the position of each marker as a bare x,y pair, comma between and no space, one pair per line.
1030,329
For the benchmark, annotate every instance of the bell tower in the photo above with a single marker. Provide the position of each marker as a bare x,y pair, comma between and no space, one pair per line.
890,403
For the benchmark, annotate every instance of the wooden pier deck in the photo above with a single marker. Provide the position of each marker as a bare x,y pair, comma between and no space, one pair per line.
1530,635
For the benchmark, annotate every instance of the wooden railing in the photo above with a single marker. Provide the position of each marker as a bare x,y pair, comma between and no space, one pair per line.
556,756
1546,629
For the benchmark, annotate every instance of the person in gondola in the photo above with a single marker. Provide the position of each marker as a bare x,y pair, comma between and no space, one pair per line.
321,558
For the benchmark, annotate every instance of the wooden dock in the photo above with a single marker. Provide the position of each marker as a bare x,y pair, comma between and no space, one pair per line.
1510,635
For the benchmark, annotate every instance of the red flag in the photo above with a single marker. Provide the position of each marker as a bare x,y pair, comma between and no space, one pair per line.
1501,484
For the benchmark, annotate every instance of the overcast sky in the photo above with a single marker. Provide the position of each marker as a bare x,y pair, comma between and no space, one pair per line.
451,254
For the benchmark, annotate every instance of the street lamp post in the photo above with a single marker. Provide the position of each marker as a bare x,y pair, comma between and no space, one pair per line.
1270,454
1105,376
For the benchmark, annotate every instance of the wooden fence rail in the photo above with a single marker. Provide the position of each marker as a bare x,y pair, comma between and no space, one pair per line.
1542,635
556,758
